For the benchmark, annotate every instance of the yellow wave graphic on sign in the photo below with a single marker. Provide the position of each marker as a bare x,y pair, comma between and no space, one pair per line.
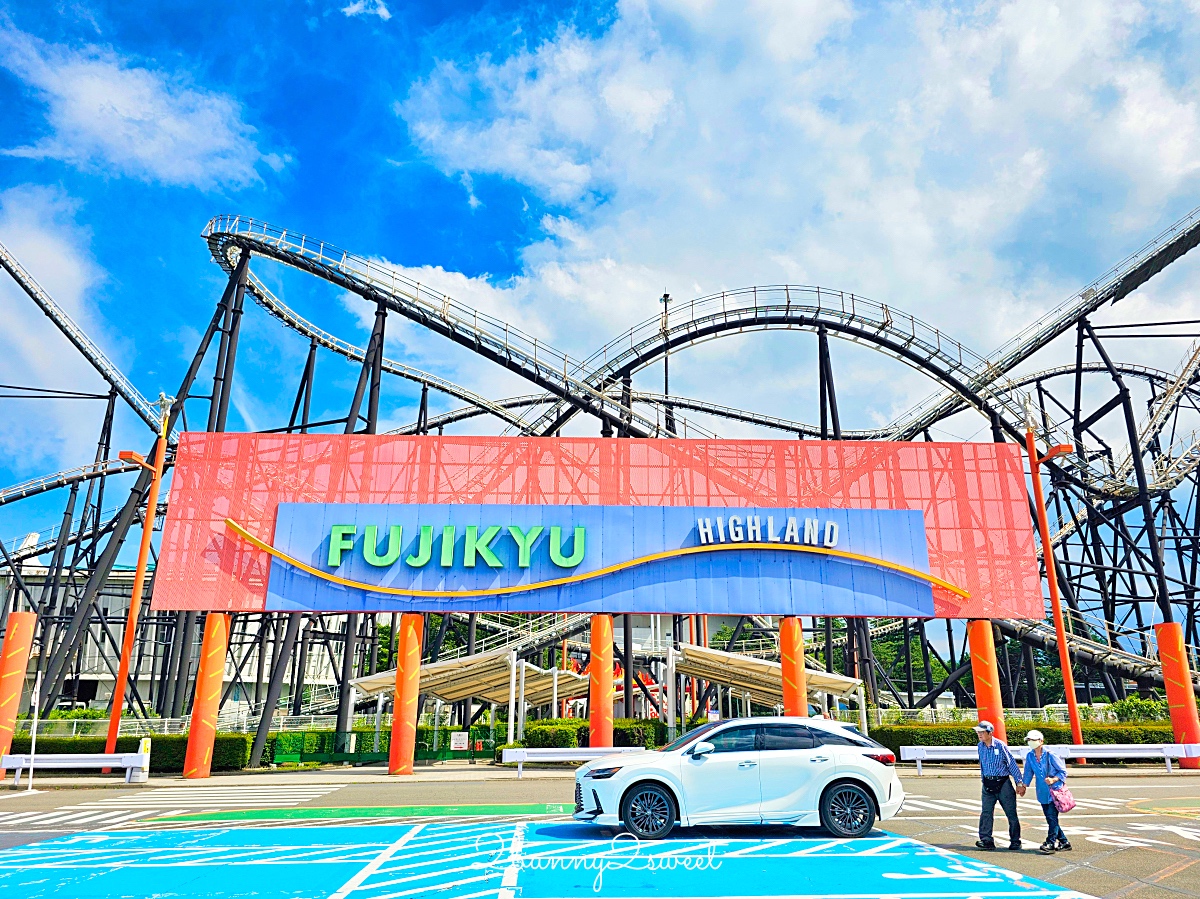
589,575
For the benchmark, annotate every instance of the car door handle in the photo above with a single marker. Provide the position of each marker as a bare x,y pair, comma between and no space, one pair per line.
819,758
747,764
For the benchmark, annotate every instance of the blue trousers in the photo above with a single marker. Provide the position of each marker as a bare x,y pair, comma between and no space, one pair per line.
1008,802
1054,832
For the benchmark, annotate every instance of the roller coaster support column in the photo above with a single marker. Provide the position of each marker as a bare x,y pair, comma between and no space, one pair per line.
206,703
600,693
986,674
1060,629
139,580
14,660
402,751
1177,676
791,654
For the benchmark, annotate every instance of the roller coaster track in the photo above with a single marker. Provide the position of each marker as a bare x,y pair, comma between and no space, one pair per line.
1090,652
587,386
24,554
1144,372
776,307
495,340
653,399
1115,660
65,479
146,410
281,311
468,412
1178,460
1114,285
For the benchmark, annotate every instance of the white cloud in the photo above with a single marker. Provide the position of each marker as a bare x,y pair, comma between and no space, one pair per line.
108,114
363,7
695,146
37,226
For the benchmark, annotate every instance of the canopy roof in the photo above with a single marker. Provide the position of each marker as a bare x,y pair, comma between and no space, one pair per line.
484,676
761,678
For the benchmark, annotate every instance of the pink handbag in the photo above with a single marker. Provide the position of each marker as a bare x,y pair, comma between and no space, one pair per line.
1063,800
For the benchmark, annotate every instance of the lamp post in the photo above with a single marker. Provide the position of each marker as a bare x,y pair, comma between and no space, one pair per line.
1060,629
139,577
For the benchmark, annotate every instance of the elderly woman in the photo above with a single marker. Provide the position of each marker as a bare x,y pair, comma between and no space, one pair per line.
1045,770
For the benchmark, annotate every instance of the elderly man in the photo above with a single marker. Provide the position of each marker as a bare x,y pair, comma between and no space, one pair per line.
1001,783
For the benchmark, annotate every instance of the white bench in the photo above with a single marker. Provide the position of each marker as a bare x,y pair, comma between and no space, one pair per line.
554,754
1164,751
136,764
921,754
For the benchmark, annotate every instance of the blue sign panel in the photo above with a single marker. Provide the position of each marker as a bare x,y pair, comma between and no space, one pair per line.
645,559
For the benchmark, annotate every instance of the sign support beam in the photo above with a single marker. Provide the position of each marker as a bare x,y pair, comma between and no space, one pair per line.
791,654
600,697
206,703
402,751
986,674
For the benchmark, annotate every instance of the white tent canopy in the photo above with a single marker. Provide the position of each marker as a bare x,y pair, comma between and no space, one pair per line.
762,679
486,676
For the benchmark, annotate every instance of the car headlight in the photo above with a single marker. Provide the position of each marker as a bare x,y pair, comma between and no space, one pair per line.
602,773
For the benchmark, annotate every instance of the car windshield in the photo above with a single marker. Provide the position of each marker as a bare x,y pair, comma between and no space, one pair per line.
690,737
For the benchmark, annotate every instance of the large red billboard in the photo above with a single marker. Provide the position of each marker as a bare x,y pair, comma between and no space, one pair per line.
220,533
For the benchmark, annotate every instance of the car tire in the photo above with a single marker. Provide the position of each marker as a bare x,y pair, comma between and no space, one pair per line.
648,811
847,810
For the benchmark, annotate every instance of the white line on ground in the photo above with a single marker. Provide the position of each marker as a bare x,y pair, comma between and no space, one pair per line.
374,865
509,880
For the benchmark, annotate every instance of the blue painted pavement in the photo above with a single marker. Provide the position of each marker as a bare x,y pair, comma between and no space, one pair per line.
505,860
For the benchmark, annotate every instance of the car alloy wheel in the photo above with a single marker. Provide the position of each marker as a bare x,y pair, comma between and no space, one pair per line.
846,811
648,812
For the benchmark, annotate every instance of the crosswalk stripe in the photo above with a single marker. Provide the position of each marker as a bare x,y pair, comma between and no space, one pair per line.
62,819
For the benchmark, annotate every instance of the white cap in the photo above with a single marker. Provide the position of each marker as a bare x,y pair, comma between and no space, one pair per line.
1035,736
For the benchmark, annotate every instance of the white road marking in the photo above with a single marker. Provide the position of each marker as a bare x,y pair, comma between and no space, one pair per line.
215,798
374,865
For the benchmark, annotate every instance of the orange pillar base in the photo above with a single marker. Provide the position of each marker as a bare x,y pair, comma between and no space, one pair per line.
600,688
1181,699
791,655
14,660
206,703
402,751
986,675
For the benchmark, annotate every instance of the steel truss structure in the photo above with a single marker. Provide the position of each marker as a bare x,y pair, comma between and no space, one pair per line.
1125,504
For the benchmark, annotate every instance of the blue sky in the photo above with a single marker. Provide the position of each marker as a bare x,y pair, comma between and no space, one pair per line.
562,166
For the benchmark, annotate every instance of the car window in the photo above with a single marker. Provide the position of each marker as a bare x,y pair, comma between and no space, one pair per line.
844,738
787,736
736,739
690,737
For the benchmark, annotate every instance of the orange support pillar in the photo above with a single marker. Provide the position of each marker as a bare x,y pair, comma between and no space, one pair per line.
1181,699
14,660
402,751
206,703
791,654
600,693
986,674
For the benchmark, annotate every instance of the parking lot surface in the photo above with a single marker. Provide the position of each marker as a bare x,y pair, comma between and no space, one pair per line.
345,835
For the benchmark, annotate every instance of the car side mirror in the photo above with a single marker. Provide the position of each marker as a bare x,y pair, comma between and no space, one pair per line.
702,748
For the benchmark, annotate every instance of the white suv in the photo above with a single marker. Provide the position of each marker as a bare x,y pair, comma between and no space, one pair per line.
802,771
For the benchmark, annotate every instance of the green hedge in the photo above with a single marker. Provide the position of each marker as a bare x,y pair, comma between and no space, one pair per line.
893,736
555,735
231,752
572,732
282,744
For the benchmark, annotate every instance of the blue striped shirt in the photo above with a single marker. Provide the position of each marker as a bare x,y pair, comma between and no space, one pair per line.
997,761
